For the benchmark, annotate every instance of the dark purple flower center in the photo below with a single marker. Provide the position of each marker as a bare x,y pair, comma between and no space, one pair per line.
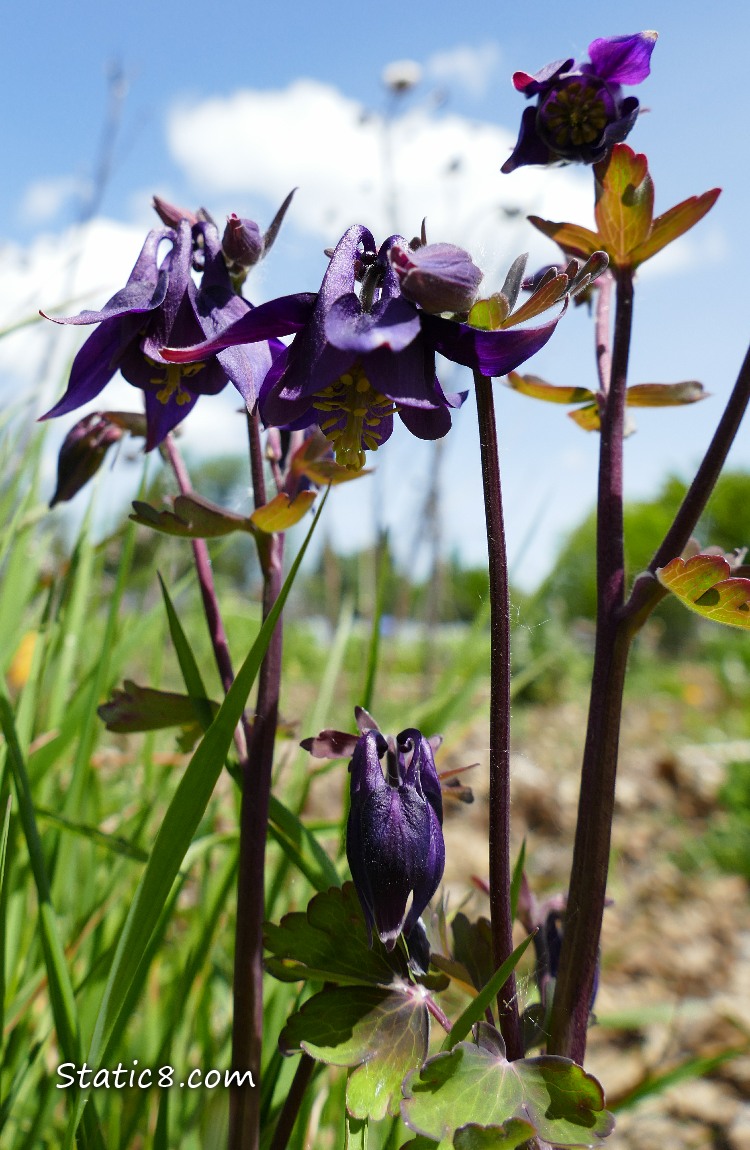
357,417
574,115
168,379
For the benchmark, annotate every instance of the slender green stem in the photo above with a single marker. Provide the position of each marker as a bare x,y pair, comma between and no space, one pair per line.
247,1033
588,880
499,830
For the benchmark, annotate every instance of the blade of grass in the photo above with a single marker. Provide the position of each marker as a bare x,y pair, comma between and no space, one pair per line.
487,995
180,823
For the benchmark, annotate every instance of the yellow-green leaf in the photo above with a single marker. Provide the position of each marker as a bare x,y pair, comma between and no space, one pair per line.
538,388
573,239
587,417
674,223
624,203
489,314
282,512
542,299
703,584
665,394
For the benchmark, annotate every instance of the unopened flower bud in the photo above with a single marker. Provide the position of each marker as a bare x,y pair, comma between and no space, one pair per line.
242,243
171,215
438,277
82,454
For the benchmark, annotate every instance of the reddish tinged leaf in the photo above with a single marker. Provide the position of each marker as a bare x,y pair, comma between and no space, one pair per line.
542,299
193,517
674,223
665,394
282,512
538,388
145,709
703,584
624,203
573,239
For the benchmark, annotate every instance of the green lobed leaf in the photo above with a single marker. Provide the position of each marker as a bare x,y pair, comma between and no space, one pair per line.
330,940
537,388
146,709
703,584
674,223
489,314
383,1032
511,1134
624,207
573,239
665,394
476,1084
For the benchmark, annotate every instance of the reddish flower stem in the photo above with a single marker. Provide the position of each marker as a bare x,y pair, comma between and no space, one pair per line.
247,1033
499,830
588,880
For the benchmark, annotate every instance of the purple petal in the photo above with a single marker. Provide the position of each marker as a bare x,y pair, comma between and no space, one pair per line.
531,85
393,325
424,423
340,276
96,363
623,59
493,353
530,147
269,320
330,744
162,417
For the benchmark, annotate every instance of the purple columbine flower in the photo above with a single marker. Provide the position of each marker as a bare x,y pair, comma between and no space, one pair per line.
161,304
394,836
357,360
580,111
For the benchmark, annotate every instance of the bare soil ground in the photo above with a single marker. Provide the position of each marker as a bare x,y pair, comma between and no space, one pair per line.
676,944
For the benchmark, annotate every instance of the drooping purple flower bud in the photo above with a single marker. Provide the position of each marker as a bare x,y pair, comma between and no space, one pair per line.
82,454
241,244
580,111
170,214
438,277
394,838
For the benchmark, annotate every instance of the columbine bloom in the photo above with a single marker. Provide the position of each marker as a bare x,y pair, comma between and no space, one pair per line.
358,360
161,304
394,837
580,112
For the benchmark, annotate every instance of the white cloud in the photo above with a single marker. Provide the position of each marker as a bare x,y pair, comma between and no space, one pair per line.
44,200
444,167
471,68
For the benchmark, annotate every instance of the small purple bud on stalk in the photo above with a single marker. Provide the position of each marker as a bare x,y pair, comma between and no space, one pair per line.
82,454
438,277
241,244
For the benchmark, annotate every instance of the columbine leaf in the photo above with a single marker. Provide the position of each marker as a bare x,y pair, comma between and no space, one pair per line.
674,223
489,314
475,1084
624,203
573,239
665,394
383,1032
587,417
282,512
193,517
505,1137
145,709
330,941
543,298
551,392
703,584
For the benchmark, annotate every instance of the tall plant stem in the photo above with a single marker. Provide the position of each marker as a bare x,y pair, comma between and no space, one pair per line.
588,880
500,867
247,1033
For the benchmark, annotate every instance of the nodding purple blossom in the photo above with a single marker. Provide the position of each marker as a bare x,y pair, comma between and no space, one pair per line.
394,836
580,111
357,360
161,304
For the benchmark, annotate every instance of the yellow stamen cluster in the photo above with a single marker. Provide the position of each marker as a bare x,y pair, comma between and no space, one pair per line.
357,411
173,373
577,116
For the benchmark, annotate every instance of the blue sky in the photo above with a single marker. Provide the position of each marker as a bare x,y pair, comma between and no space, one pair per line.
224,106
